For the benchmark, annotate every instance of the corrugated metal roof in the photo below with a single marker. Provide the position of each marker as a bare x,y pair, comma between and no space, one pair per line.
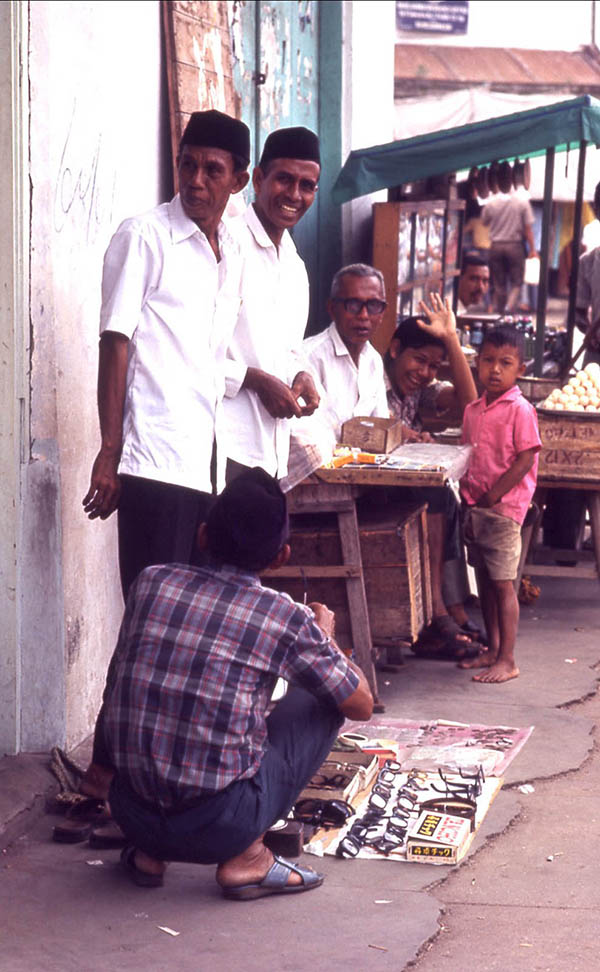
420,68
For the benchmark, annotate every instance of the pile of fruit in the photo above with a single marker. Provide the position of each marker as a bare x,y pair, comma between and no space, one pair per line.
580,394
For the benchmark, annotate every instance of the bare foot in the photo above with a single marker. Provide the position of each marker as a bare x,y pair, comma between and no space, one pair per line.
484,660
499,672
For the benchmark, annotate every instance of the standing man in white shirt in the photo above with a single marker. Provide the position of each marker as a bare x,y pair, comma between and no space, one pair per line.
170,300
346,364
266,383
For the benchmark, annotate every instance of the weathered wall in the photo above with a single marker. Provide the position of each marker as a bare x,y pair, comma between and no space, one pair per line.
14,332
95,75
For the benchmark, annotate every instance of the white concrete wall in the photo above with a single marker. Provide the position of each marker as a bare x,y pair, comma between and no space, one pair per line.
95,75
368,104
552,25
14,341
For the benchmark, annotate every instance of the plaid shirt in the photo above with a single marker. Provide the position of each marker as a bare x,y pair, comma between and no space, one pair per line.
191,678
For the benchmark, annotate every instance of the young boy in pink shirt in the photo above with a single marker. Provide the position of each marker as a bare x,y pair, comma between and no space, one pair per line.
497,487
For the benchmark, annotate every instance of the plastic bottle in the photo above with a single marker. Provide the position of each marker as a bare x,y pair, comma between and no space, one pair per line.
477,335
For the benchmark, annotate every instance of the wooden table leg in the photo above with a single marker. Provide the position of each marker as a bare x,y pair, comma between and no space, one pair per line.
357,598
593,501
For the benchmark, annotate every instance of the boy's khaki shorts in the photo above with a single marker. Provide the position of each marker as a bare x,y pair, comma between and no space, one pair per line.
493,541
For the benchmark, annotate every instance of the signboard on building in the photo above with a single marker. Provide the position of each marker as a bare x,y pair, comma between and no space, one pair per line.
433,16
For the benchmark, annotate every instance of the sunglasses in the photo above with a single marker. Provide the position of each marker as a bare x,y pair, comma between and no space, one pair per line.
323,813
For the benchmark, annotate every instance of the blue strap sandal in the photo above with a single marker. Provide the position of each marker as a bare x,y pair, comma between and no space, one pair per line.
275,881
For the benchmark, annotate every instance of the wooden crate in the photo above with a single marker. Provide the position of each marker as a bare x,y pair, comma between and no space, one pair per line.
372,434
570,446
395,566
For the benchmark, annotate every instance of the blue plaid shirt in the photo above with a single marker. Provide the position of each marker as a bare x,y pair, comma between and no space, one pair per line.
191,678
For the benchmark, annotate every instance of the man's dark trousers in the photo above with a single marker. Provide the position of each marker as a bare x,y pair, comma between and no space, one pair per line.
301,732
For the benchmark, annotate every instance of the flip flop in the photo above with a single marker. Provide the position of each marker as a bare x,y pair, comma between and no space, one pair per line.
80,820
474,631
107,837
444,651
443,640
143,879
275,882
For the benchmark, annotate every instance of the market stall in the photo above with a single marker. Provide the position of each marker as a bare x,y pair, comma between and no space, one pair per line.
374,576
553,128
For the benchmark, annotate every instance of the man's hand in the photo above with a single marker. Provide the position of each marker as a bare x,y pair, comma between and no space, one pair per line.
304,387
277,398
582,320
486,500
414,435
102,498
324,618
441,322
593,337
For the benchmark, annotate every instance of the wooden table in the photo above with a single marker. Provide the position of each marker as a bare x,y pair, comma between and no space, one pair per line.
335,491
570,459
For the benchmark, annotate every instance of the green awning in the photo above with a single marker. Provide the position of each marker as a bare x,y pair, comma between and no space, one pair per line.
523,134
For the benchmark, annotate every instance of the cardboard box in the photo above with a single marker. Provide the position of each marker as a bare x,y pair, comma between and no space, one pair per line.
438,838
362,771
372,434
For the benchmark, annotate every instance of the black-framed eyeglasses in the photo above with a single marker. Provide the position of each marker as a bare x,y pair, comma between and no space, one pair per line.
324,782
352,305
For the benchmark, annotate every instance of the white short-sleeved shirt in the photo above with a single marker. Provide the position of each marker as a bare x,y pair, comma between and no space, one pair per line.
588,283
349,390
268,335
163,288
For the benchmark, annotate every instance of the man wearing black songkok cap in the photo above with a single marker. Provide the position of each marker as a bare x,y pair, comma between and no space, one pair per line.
268,381
170,298
201,771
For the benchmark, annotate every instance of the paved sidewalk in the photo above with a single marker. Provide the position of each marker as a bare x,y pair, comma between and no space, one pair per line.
507,906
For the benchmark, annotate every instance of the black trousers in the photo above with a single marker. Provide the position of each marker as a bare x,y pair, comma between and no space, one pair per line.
157,525
301,731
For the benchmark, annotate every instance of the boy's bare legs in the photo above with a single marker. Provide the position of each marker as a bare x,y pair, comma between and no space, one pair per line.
504,667
436,523
500,608
436,532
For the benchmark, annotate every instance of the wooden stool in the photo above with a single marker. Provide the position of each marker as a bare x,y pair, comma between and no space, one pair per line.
327,498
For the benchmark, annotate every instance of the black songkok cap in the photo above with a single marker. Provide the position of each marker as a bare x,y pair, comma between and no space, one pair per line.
214,129
291,143
248,523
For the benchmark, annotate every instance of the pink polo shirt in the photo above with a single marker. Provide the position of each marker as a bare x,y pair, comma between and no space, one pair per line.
498,433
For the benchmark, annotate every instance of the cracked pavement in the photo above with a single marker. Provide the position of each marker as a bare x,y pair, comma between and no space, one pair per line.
526,896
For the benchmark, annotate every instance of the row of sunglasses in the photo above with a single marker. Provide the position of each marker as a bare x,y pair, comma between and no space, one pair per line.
384,825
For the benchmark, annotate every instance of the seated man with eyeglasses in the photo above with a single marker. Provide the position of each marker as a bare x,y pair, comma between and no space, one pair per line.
348,367
201,767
